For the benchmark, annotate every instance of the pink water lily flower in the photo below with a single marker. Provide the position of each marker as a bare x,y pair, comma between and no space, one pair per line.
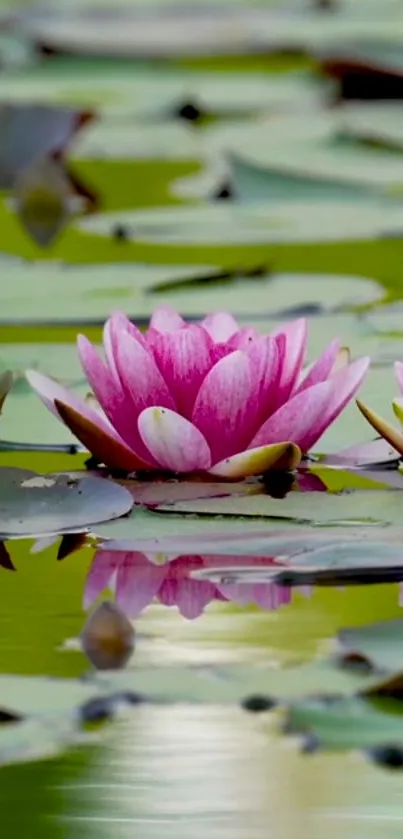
137,580
392,436
208,397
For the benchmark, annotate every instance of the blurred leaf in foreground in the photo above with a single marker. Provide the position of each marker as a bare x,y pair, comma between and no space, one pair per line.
44,200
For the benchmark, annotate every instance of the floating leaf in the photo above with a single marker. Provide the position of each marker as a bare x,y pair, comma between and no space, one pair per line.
376,506
260,223
33,504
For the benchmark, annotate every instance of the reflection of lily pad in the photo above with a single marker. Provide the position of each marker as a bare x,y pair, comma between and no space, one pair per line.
32,504
350,723
234,683
279,222
231,534
381,644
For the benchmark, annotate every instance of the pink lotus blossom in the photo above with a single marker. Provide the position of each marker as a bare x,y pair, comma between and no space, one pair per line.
208,397
137,580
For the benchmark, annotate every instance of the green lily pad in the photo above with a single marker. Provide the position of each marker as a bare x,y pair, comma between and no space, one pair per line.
316,149
252,223
252,182
376,122
320,508
127,91
166,140
33,504
56,292
186,30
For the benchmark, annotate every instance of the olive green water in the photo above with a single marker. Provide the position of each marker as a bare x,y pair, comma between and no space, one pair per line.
184,771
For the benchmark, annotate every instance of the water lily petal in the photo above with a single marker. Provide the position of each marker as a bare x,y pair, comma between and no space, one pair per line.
257,461
342,360
345,385
220,325
105,447
113,329
265,360
297,420
166,319
108,390
321,368
175,443
48,391
243,338
399,374
137,582
295,336
140,376
225,408
382,427
184,358
102,569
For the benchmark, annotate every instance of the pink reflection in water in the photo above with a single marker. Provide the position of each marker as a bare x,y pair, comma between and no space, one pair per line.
137,580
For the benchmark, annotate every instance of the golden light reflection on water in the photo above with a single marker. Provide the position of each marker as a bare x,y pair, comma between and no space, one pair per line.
185,772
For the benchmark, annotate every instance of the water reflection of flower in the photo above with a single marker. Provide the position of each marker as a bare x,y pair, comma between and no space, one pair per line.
137,580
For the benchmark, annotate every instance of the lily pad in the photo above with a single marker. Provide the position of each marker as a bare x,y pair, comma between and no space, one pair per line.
60,293
39,505
129,93
355,507
270,222
252,182
186,30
